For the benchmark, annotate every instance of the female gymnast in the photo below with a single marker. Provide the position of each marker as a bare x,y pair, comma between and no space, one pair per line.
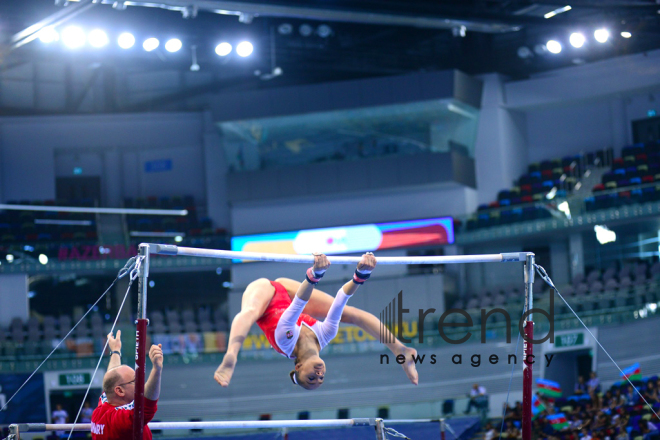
277,307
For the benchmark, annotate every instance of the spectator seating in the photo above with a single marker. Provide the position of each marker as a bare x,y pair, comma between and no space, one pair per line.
615,413
190,225
634,284
517,204
35,336
633,178
34,226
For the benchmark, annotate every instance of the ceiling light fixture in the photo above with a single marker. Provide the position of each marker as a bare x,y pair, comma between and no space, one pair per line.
557,11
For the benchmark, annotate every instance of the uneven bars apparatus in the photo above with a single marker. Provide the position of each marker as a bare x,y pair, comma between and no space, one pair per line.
146,249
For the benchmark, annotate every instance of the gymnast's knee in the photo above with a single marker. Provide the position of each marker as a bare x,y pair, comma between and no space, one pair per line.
351,315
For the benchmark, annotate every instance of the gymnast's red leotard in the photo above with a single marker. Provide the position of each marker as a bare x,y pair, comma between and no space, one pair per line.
277,305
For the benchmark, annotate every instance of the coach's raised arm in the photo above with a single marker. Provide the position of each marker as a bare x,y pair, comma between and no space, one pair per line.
113,418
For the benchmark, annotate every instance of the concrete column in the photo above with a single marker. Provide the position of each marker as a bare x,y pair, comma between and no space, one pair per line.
215,164
13,298
576,254
501,145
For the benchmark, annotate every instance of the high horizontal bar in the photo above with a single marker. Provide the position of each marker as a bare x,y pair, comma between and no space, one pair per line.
83,210
260,424
165,249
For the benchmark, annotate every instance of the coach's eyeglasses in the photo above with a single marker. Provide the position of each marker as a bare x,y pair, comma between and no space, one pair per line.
127,383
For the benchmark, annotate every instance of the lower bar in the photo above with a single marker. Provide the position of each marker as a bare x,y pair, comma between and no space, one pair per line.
220,425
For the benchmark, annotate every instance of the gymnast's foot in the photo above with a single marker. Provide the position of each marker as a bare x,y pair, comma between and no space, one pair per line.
409,366
225,370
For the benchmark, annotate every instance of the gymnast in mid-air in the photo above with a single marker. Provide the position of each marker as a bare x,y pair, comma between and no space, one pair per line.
299,321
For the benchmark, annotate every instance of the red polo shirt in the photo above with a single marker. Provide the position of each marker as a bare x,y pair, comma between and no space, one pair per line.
116,422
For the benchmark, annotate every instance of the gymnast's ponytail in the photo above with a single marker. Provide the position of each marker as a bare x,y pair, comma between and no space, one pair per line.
292,375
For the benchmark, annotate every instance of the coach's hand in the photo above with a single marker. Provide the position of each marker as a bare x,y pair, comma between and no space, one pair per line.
114,343
156,356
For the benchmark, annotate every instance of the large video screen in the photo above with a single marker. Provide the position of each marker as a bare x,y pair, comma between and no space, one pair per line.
351,239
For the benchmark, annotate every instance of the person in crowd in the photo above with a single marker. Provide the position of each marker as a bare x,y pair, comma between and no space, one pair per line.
86,413
580,386
647,430
650,393
489,432
277,308
60,417
512,432
478,398
593,385
113,417
631,396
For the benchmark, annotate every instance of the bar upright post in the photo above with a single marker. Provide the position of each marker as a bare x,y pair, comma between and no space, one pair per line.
528,348
140,343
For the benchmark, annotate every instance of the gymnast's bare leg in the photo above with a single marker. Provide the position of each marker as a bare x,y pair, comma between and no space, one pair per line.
255,300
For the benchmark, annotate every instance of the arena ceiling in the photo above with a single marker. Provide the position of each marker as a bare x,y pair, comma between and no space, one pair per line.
317,40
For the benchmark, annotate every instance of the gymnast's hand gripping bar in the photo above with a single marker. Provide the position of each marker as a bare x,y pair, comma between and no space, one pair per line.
166,249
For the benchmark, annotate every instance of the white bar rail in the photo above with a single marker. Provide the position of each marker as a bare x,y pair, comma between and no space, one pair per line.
257,424
166,249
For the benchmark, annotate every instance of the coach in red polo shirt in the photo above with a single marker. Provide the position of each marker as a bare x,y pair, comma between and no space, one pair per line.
113,418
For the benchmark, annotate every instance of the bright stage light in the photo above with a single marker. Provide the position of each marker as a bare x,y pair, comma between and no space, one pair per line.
98,38
553,46
73,37
48,35
625,34
604,234
150,44
577,40
173,45
601,35
126,40
244,49
223,49
43,259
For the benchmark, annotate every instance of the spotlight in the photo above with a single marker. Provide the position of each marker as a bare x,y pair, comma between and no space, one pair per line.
48,35
626,34
324,31
553,46
305,30
577,40
459,31
152,284
73,37
43,259
223,49
563,207
178,239
557,11
285,29
540,49
150,44
601,35
524,52
10,258
173,45
244,49
604,234
126,40
98,38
